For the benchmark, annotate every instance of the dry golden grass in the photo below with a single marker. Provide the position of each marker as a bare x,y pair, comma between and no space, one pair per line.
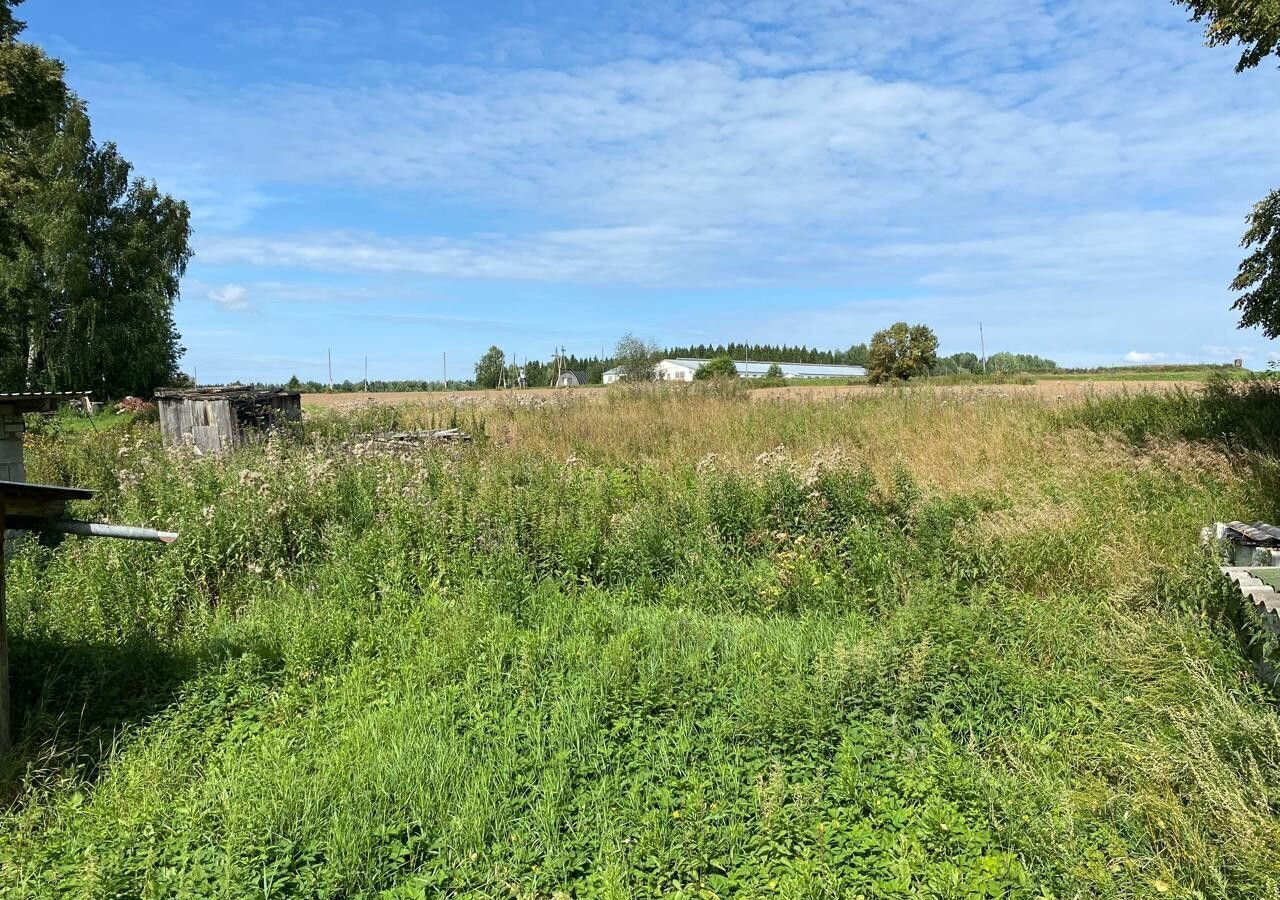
1052,390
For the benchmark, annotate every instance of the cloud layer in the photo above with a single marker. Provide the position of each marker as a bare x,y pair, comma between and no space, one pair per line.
1077,163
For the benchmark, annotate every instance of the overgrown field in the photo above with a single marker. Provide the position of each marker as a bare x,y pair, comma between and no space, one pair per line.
678,644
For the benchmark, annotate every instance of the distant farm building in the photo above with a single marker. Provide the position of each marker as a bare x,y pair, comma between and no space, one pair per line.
572,379
684,370
214,420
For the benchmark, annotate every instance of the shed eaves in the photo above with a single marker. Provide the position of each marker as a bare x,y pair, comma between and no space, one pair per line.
38,401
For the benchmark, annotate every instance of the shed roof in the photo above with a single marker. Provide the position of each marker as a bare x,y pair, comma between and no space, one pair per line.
222,392
22,499
27,491
38,401
1259,533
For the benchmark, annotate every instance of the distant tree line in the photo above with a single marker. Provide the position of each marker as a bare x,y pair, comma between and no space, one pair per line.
854,356
399,386
90,256
494,369
903,352
997,364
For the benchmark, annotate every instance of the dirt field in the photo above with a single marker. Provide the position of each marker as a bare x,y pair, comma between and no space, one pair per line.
1052,390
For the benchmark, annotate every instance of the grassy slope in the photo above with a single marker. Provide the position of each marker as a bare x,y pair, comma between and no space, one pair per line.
681,644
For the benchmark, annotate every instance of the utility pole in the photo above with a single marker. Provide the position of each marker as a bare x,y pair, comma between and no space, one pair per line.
982,340
366,374
444,369
330,352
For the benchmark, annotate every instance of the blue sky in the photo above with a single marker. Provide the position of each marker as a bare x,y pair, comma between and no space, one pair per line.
401,180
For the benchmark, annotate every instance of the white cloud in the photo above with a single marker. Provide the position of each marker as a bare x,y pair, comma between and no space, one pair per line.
1140,357
1062,170
635,254
232,297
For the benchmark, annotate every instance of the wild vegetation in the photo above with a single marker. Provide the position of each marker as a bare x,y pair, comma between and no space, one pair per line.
676,642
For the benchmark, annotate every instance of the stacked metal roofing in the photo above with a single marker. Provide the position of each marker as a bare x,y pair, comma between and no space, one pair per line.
1259,534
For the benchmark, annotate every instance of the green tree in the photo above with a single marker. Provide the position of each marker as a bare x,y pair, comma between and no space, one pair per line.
857,355
774,373
719,367
900,352
90,258
635,357
1007,363
537,373
32,95
294,384
489,368
1258,278
1255,25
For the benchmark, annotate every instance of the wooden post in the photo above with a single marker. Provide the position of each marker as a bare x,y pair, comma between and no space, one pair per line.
5,738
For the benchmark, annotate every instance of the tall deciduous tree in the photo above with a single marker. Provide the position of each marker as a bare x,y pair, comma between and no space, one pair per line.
1255,25
32,95
636,357
489,368
901,352
1258,278
90,258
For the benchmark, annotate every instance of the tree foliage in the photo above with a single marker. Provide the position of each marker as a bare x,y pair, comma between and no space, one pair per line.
490,367
774,373
1259,275
636,357
90,257
901,351
1254,24
32,94
720,367
1010,363
854,356
958,364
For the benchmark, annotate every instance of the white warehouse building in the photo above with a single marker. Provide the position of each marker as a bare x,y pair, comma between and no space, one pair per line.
684,369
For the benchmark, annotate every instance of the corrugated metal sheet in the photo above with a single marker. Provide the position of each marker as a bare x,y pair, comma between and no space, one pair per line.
1268,529
1260,535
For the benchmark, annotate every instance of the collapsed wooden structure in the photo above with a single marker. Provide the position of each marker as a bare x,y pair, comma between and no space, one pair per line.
218,419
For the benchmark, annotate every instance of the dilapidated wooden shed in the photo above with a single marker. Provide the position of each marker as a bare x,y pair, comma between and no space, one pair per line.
216,419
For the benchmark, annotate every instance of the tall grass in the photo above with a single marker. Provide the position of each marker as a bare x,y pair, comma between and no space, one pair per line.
685,644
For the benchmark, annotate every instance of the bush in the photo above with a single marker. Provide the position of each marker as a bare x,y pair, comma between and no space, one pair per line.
720,367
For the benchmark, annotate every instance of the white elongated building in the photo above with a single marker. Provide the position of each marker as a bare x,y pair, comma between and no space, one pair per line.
684,369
